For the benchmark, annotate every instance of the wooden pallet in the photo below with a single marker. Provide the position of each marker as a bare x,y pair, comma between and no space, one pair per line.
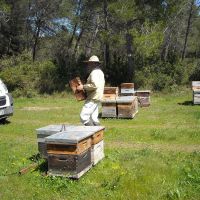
74,83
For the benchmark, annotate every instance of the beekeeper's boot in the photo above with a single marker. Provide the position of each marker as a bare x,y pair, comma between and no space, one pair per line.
89,124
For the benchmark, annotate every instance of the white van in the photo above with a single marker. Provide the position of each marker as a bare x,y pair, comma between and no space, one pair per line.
6,102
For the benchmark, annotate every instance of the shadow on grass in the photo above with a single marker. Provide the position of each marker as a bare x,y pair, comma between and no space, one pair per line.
186,103
42,166
4,122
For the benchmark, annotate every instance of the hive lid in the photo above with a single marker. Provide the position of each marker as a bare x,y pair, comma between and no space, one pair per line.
149,91
68,137
85,128
108,100
196,83
126,99
51,129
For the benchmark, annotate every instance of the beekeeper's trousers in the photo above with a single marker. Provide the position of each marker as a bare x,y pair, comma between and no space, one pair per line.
89,113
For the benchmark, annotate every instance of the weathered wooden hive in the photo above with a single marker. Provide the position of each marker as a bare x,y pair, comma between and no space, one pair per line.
110,92
74,83
127,89
127,106
70,152
109,108
143,97
196,92
44,132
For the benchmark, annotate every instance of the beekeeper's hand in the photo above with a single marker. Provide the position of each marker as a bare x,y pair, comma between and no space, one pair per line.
80,87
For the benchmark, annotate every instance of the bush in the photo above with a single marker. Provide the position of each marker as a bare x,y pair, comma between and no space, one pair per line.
162,75
25,78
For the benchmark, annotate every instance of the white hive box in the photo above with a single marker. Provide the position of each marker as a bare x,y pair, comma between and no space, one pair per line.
97,152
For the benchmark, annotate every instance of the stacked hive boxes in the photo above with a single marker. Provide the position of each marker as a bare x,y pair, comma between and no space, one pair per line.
72,152
109,108
143,97
44,132
127,106
196,92
123,106
127,89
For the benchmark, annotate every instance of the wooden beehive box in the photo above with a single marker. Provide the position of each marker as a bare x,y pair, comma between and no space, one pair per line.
110,93
143,97
72,166
44,132
68,151
74,83
97,149
109,108
127,106
127,89
97,152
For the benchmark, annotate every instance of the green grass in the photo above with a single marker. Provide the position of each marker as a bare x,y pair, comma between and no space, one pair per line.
154,156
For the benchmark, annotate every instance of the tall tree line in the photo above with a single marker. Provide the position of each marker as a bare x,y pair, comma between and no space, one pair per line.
136,39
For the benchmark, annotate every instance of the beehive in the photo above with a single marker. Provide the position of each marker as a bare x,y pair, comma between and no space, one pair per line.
127,106
127,89
110,93
69,152
109,108
97,152
44,132
143,97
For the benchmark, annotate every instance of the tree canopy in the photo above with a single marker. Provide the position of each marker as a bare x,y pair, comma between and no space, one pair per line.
152,43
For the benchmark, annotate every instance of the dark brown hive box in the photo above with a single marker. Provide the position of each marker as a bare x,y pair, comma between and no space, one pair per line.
143,97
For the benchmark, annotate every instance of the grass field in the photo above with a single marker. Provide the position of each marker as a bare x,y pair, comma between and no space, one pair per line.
154,156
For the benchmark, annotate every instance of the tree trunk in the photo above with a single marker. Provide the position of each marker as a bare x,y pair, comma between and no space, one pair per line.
187,29
129,50
106,45
78,41
36,42
93,37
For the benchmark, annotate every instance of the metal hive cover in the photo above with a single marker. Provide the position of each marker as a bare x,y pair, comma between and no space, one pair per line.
107,100
68,137
85,128
148,91
51,129
196,83
126,99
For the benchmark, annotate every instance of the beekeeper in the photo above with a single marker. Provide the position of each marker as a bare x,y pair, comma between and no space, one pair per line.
94,89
